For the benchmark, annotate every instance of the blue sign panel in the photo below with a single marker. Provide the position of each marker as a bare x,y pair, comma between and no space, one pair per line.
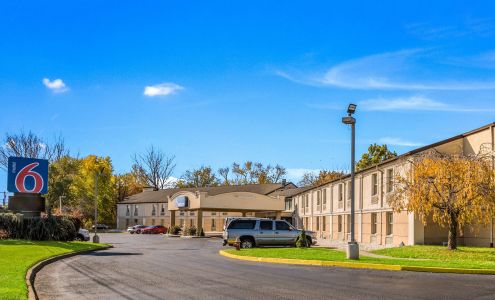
181,201
27,175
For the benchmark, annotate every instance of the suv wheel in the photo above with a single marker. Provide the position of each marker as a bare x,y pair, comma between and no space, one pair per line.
247,243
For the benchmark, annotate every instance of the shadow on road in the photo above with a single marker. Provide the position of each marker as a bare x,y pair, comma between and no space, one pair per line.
111,253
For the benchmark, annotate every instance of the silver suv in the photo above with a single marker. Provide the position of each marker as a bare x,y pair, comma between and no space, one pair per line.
252,232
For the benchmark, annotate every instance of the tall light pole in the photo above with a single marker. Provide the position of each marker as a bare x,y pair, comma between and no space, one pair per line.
96,238
352,245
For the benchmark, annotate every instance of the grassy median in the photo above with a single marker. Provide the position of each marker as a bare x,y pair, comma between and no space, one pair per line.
17,256
419,256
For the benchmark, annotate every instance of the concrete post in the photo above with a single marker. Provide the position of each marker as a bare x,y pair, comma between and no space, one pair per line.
199,221
278,215
243,213
172,218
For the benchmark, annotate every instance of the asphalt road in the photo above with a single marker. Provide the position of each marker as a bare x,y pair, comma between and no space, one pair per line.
153,267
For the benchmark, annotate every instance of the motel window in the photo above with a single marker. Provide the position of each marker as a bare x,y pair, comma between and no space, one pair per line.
390,223
341,196
374,221
181,213
162,211
348,223
288,204
213,213
339,225
374,184
126,222
324,223
349,190
128,210
317,223
162,222
318,198
213,225
224,213
191,213
136,210
191,223
324,199
306,197
390,180
153,211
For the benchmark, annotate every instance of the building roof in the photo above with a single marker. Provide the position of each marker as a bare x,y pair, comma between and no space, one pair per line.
412,152
159,196
291,192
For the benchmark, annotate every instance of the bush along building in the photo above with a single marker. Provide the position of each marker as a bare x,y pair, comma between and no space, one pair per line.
324,209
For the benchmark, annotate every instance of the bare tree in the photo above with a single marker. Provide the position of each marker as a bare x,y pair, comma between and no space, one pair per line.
30,145
154,167
224,173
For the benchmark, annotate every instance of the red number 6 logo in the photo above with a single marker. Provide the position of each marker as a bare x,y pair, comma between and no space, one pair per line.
25,172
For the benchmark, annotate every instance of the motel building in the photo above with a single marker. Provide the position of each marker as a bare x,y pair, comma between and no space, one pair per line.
324,209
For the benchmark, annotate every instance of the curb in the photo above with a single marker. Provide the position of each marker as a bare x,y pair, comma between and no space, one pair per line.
353,265
31,273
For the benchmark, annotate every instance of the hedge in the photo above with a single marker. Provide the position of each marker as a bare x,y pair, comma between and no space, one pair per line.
46,228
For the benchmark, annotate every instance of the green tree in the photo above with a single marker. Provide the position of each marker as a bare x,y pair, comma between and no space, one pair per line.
126,185
256,173
62,174
453,190
324,176
375,155
201,177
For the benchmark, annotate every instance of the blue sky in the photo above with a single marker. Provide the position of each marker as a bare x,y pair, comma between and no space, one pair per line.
213,82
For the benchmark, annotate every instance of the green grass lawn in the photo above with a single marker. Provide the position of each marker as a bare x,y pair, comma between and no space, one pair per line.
422,256
17,256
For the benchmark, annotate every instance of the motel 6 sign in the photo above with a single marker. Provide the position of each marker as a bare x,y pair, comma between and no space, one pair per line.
27,175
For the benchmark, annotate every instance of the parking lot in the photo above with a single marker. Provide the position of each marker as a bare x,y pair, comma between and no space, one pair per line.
155,267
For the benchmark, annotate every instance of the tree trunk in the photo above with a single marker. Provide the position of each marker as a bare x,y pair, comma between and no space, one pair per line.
452,245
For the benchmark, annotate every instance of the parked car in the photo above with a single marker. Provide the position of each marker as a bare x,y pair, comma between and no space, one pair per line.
154,229
100,227
82,235
253,232
135,229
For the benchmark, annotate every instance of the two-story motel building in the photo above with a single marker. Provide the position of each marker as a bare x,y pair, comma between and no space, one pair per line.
324,209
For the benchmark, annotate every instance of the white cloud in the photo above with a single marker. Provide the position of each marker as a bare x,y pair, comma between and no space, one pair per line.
162,89
419,103
56,86
398,142
391,71
402,103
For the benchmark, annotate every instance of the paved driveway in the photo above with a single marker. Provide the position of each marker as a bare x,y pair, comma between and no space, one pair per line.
152,267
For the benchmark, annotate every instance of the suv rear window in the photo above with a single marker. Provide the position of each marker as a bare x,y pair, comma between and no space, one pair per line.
242,224
266,225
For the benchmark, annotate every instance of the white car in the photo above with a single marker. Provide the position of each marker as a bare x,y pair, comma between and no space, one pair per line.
82,235
135,229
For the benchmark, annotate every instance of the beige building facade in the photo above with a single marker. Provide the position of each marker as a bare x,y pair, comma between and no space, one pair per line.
324,209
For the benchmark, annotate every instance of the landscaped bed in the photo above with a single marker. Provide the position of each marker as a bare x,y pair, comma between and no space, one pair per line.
17,256
416,256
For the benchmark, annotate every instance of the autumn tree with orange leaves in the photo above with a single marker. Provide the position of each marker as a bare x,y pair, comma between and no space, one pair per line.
455,190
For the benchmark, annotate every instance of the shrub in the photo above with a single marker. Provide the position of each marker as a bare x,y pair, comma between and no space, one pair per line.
4,234
175,230
191,231
302,240
56,228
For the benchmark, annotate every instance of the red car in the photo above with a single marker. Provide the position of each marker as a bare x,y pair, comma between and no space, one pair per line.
154,230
